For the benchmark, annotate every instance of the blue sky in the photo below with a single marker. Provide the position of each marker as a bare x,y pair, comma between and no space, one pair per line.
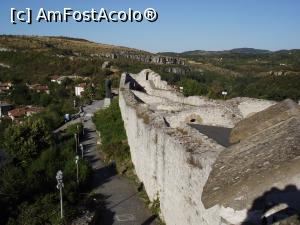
182,25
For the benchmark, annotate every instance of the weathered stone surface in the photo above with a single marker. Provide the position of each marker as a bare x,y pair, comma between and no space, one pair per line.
271,158
198,181
262,171
172,163
260,121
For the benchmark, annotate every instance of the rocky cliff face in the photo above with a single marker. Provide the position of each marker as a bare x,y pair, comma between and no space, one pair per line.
178,70
146,58
171,64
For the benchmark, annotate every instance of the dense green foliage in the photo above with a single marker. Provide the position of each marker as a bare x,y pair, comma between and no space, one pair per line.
265,87
242,72
3,125
247,61
28,193
211,83
113,136
31,66
24,142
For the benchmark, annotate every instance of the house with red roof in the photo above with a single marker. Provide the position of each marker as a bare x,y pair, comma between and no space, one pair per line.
56,79
21,112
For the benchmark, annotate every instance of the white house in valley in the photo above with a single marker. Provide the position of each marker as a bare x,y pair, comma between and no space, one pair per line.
79,89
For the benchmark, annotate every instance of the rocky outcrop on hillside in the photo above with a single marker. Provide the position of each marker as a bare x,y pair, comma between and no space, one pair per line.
178,70
280,73
146,58
173,64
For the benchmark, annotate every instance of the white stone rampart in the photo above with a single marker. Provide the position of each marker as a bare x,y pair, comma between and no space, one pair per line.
243,107
169,163
250,106
173,160
207,115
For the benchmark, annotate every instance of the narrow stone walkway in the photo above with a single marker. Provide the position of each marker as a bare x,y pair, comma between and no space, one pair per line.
122,204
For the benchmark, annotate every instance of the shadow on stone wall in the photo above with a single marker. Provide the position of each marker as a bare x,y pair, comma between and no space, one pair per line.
133,84
276,206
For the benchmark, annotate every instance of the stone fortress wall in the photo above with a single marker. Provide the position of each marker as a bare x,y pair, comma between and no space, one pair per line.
160,96
174,160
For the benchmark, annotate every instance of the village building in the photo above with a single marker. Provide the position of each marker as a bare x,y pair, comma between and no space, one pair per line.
56,79
39,88
60,79
79,89
18,113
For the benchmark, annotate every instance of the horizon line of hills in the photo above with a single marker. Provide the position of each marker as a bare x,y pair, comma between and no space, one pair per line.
234,50
244,50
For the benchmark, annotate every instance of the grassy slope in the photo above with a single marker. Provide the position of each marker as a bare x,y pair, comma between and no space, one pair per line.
113,136
39,43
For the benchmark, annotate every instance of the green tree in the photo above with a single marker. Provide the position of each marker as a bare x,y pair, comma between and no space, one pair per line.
20,95
113,136
43,211
27,140
88,94
193,87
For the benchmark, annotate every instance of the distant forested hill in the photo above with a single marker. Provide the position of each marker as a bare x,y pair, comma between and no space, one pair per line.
242,72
